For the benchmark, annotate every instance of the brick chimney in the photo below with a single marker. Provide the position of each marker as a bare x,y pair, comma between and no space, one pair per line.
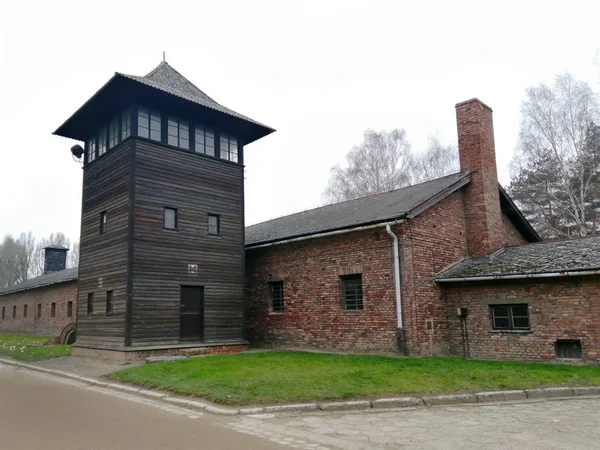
483,216
55,259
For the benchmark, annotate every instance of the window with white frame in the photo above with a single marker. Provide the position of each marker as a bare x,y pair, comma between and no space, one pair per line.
102,141
204,141
149,125
113,132
229,148
178,133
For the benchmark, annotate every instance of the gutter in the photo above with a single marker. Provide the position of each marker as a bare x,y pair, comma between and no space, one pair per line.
327,233
396,275
521,276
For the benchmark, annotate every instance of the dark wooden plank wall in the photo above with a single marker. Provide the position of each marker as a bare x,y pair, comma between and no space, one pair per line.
103,259
196,186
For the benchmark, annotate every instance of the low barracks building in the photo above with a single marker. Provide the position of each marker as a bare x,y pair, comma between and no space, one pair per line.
445,267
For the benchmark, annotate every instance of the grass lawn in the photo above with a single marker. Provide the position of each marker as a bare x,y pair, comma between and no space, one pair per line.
30,348
284,377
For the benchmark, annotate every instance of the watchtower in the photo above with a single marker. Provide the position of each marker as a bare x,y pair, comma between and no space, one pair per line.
162,222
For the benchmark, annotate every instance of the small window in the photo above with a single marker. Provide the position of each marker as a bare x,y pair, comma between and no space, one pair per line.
90,304
510,317
24,310
204,141
103,222
149,124
102,141
352,292
125,124
113,132
171,218
91,149
214,224
229,148
109,302
39,310
14,311
53,310
276,296
3,312
568,349
178,133
69,309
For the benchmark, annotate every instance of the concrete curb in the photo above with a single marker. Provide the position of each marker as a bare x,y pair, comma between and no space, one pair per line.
401,402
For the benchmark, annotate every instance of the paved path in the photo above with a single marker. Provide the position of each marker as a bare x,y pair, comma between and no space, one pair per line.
559,424
43,412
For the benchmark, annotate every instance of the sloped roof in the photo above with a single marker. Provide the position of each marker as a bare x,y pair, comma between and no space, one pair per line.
397,204
62,276
572,255
167,79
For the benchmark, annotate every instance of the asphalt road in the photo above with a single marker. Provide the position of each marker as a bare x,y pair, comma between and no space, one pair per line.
38,412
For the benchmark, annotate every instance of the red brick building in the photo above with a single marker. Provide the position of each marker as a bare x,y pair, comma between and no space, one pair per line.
449,266
45,305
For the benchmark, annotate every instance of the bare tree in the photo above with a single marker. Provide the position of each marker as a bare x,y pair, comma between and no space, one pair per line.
382,162
73,260
10,254
556,168
26,255
435,162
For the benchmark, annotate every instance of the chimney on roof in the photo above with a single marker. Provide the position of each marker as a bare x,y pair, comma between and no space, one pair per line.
55,259
483,216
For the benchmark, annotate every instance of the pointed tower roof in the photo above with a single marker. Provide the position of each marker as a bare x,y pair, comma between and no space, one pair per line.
162,83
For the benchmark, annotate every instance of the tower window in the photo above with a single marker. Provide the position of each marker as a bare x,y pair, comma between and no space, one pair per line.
171,218
229,148
125,124
103,222
214,224
109,302
90,304
205,141
91,149
149,125
178,133
102,141
113,132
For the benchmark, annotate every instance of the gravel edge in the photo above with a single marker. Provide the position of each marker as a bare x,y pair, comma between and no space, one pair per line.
400,402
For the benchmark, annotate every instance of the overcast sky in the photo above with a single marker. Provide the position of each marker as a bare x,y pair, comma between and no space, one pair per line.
320,72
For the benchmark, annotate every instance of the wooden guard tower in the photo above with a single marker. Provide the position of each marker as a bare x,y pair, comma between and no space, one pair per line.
162,223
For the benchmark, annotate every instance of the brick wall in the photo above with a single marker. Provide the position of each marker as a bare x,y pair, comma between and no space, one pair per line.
562,308
512,236
313,315
46,325
430,242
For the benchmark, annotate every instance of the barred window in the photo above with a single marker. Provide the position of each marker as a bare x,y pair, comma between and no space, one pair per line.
178,133
276,296
352,292
510,317
204,141
229,148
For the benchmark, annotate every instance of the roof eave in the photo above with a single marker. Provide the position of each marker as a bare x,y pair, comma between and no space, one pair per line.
74,278
524,275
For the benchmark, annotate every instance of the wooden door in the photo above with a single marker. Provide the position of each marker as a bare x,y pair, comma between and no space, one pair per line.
192,313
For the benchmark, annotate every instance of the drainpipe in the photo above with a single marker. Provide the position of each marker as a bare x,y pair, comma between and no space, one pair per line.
399,329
